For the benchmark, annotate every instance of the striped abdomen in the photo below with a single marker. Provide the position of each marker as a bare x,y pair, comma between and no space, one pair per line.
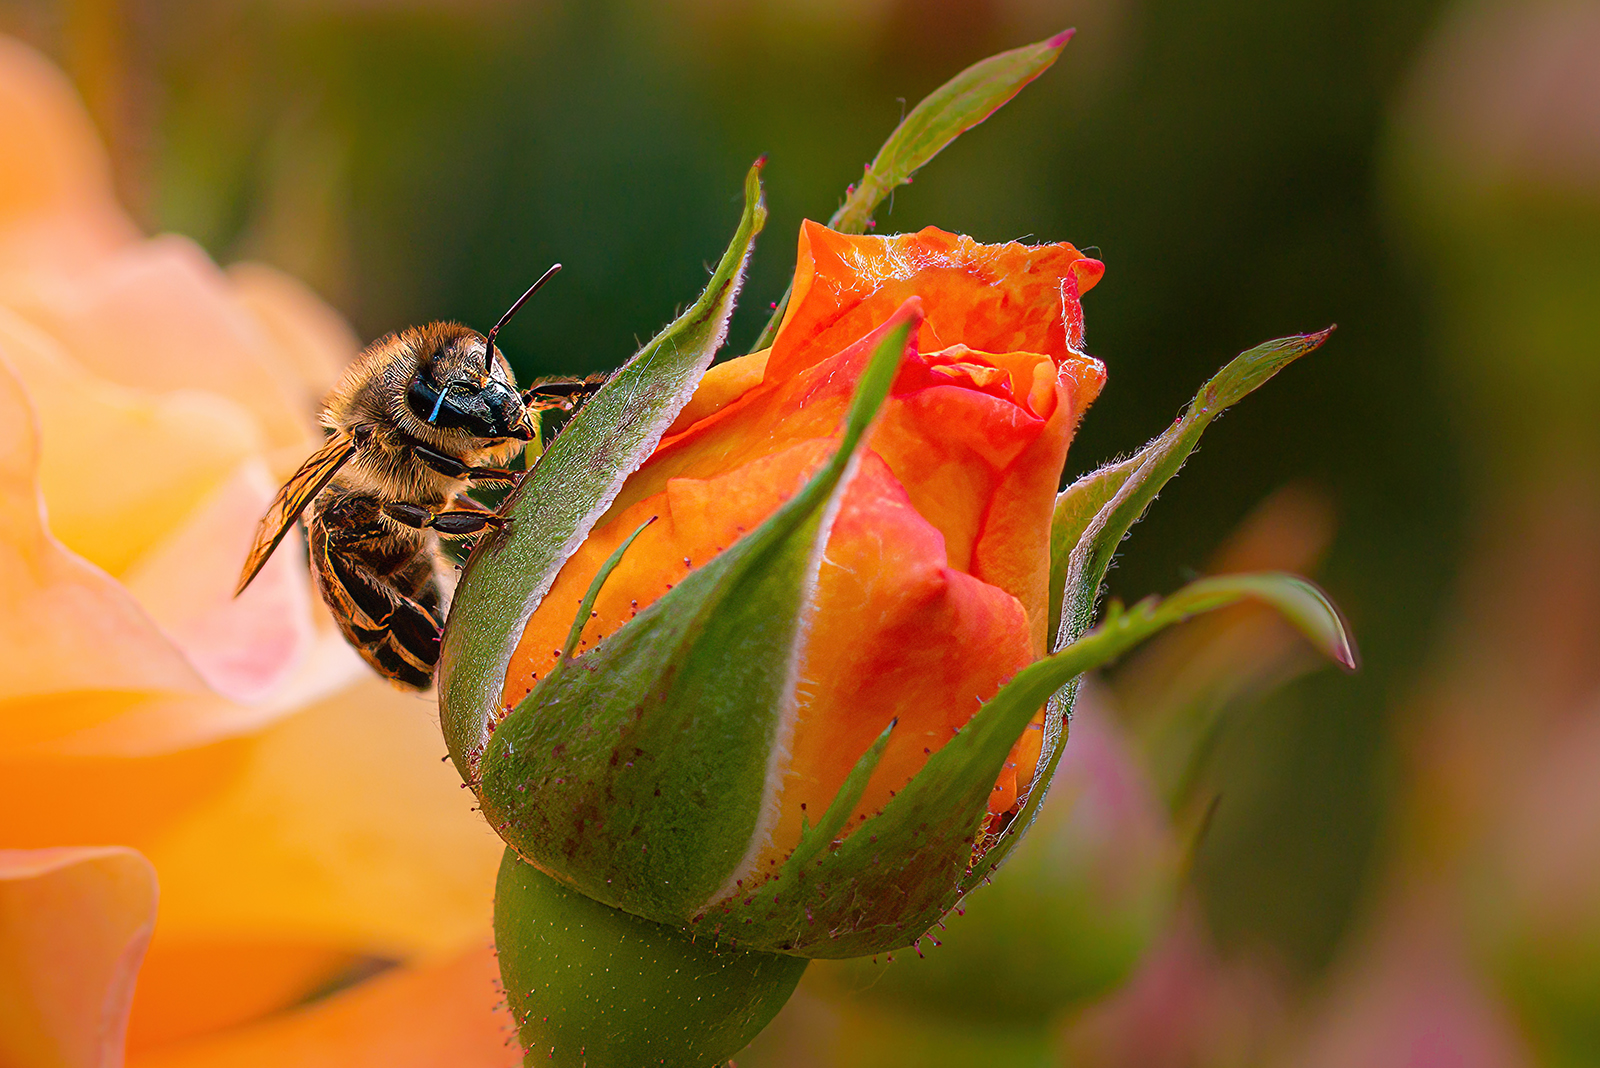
382,586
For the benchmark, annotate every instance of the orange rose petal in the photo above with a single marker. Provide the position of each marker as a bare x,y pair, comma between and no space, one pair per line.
311,341
1019,768
121,467
999,298
68,628
450,1013
948,444
719,387
340,826
245,646
1012,547
57,207
897,633
160,316
73,927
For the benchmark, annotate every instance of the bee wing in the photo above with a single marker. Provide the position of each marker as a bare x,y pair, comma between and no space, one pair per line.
292,498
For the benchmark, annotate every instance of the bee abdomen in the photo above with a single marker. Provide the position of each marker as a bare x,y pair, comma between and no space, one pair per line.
383,594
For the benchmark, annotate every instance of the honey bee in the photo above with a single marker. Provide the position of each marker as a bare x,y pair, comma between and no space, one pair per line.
418,418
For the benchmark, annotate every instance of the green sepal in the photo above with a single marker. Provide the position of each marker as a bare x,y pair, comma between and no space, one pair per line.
897,873
1134,483
1005,716
639,770
814,839
1095,513
586,606
943,115
558,502
1076,507
591,985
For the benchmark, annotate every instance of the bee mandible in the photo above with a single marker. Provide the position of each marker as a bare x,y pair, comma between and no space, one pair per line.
418,418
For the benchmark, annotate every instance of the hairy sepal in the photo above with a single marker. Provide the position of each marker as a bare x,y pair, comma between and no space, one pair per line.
1095,513
882,884
574,482
639,773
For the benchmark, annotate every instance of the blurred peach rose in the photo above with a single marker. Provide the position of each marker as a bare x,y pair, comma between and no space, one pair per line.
153,730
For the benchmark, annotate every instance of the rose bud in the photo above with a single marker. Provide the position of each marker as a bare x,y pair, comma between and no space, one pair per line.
791,714
928,591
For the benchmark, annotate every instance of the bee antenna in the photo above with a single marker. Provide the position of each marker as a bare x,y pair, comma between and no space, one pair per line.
488,346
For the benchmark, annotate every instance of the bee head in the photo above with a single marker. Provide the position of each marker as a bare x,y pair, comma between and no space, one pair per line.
459,385
463,383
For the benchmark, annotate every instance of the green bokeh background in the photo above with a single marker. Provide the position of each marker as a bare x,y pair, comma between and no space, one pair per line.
420,160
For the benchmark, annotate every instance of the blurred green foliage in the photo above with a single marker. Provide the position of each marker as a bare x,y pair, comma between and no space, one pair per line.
417,161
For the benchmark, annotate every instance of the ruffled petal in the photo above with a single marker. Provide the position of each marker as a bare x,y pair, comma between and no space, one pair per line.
73,927
998,298
121,467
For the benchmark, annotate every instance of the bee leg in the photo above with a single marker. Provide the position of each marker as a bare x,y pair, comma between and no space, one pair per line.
451,522
453,468
536,401
561,394
456,524
448,466
494,474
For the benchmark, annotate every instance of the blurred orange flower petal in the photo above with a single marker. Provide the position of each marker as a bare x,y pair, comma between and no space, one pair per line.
154,401
190,989
121,466
81,652
308,337
160,316
73,928
57,208
449,1013
341,828
246,646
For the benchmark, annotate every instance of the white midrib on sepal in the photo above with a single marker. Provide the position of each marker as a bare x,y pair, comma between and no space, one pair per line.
778,758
